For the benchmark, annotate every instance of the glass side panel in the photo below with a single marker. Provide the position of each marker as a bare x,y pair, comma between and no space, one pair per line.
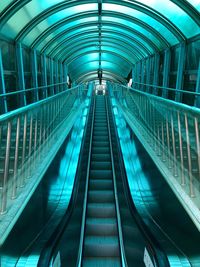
143,17
137,28
41,27
195,3
26,14
175,14
4,4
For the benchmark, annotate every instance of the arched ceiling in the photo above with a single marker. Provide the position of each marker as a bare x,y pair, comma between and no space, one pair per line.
107,35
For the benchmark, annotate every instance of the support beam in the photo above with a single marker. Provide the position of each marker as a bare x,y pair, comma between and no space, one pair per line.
44,75
148,73
20,70
3,100
142,74
52,76
56,75
156,73
61,76
133,74
180,71
166,71
197,98
65,73
35,74
138,75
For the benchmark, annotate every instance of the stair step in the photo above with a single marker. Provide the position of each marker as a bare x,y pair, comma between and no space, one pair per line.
101,246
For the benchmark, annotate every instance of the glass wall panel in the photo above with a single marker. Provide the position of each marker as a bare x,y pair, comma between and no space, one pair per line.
175,14
135,27
41,27
4,4
193,55
195,3
26,14
143,17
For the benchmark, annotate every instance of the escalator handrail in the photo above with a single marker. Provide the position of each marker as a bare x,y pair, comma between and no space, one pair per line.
153,244
49,248
121,243
80,253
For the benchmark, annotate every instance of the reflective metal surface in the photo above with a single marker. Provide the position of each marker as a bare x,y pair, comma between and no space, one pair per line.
170,132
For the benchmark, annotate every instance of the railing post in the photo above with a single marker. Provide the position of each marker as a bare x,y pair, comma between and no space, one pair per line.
181,150
166,70
192,194
20,68
14,184
24,150
3,102
180,71
6,171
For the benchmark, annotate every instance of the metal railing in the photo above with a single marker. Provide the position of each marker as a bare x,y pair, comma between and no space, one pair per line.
185,96
19,98
170,132
26,137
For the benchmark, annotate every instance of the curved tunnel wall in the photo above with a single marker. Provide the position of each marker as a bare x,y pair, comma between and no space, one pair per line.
47,42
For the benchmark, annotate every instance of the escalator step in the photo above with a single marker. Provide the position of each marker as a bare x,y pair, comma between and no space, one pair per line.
100,138
100,157
103,184
96,165
99,210
99,197
100,143
102,262
101,226
100,150
101,246
100,174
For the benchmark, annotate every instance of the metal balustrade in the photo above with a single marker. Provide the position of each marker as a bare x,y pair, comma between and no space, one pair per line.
26,137
31,95
170,133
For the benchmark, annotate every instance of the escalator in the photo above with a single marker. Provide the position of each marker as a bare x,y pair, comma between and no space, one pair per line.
101,243
100,231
